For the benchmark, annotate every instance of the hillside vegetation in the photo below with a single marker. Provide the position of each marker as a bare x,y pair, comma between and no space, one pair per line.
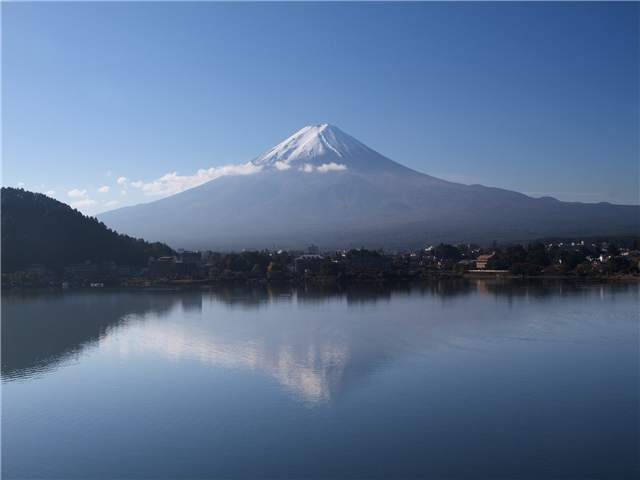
39,229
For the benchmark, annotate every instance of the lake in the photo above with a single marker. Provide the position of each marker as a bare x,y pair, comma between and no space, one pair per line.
453,379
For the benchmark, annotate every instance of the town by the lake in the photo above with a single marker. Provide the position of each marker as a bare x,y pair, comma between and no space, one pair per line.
586,261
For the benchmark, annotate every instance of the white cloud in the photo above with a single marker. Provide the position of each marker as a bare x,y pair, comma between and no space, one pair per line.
84,203
105,189
122,193
111,203
21,184
325,167
50,193
109,173
172,183
331,166
123,181
282,166
77,193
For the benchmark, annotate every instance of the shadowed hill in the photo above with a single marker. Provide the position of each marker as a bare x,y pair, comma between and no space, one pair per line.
39,229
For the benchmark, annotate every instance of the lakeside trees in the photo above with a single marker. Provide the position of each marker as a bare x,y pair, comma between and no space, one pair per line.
536,259
533,259
250,265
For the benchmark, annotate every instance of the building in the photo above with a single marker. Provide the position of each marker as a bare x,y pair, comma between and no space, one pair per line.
164,265
309,262
81,271
152,268
36,267
124,271
178,267
482,260
191,261
312,250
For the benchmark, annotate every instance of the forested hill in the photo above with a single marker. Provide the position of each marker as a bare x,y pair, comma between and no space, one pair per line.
39,229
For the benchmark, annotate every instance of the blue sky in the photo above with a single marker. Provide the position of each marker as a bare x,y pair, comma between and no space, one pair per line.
541,98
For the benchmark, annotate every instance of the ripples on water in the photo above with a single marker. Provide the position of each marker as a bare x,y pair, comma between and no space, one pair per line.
459,379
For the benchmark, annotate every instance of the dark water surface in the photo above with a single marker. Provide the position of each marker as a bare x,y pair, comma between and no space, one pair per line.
478,379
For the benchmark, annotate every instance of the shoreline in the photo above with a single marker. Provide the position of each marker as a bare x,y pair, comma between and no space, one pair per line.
494,275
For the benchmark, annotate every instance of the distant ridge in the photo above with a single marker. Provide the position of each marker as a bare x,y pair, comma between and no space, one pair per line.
325,187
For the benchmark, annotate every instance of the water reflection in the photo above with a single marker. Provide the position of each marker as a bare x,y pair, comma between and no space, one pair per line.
303,336
41,329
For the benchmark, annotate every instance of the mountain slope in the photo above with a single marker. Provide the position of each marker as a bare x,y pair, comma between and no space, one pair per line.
39,229
323,186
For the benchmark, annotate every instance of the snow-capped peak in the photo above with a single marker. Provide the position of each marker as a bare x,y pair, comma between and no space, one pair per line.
310,144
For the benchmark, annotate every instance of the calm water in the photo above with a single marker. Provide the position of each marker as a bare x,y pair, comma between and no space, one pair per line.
473,379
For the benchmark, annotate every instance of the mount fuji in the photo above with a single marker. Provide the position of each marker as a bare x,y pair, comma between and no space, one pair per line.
325,187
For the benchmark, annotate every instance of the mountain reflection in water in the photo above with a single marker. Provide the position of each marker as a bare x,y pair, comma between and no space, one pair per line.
452,379
292,333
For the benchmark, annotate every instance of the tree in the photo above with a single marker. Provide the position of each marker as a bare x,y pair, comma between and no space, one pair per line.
506,258
275,272
447,252
329,268
256,271
464,249
584,269
235,263
364,253
18,278
539,257
536,246
33,277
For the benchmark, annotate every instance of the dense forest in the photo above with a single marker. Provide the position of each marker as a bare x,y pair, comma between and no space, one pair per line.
39,229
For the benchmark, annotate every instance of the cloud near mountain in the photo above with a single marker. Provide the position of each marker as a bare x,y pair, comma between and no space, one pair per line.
172,183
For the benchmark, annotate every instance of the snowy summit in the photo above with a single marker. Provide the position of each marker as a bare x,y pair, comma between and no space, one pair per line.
321,147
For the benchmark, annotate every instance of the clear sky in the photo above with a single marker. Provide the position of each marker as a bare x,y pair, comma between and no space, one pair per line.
541,98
